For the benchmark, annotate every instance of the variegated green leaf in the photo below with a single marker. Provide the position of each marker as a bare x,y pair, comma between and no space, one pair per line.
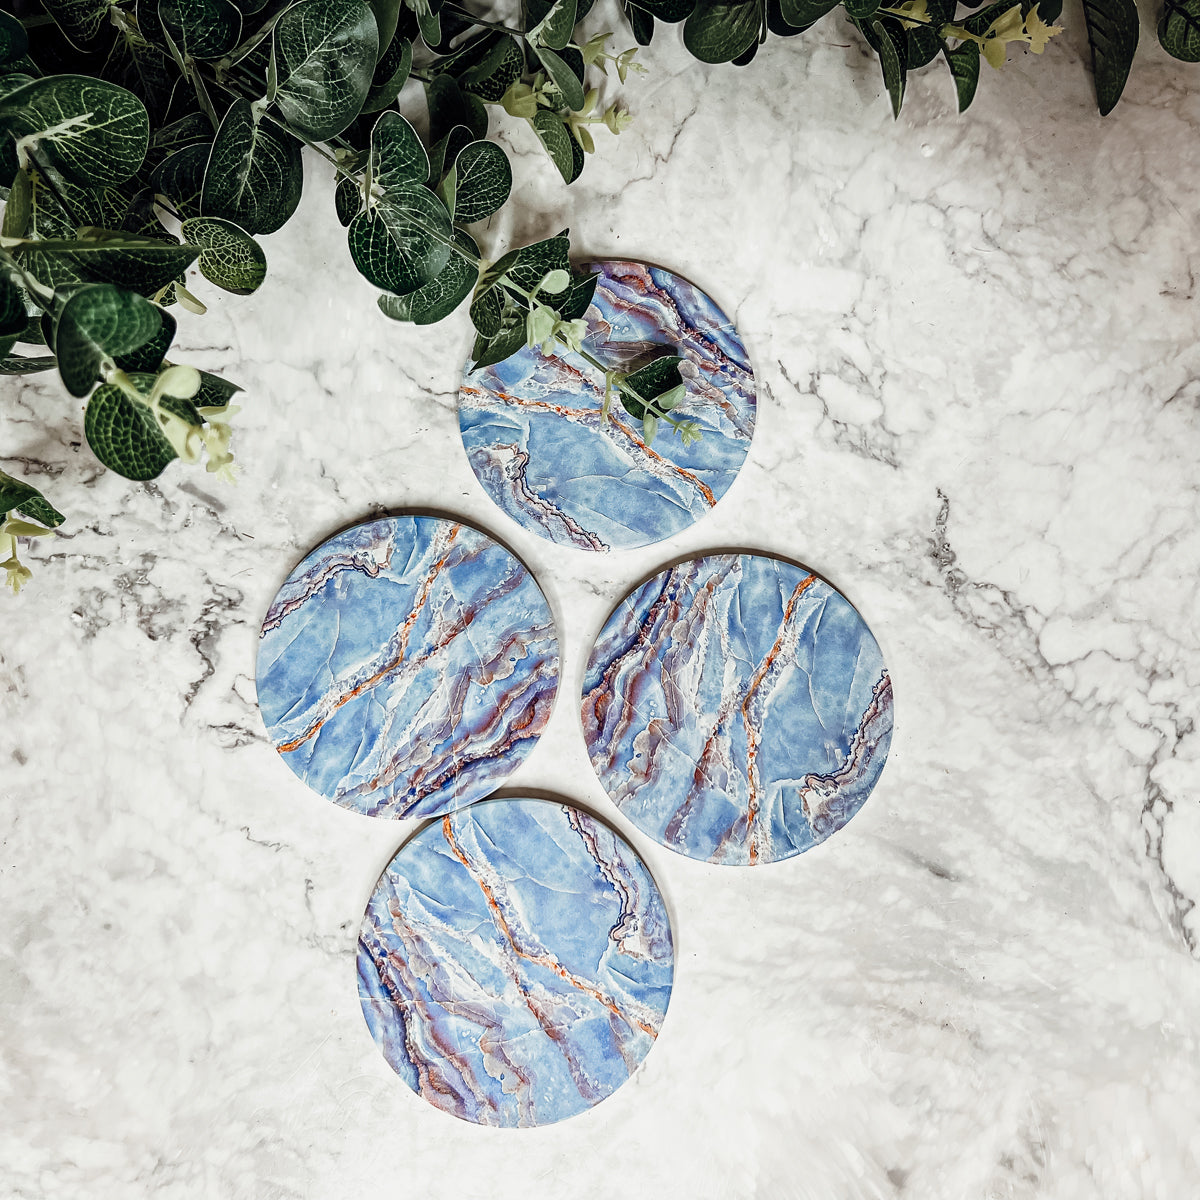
229,256
441,295
400,243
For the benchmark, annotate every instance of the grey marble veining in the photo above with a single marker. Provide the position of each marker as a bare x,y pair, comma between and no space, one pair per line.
976,344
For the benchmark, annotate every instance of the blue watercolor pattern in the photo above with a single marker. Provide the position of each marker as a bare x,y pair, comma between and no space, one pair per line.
515,962
737,709
407,666
535,438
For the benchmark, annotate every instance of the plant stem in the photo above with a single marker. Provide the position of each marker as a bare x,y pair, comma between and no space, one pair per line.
462,12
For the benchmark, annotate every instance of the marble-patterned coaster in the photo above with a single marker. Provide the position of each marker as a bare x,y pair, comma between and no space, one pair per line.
515,962
407,666
535,438
737,709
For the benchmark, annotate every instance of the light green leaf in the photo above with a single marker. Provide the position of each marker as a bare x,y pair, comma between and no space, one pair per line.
254,174
326,51
556,139
94,132
95,325
123,433
484,181
229,256
201,29
563,77
441,295
397,156
1112,27
399,244
718,31
391,74
18,496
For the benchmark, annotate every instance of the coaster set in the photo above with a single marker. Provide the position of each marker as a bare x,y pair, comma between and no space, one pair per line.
515,960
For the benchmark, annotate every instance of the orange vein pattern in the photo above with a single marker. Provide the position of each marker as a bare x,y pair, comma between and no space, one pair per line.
384,671
751,734
542,960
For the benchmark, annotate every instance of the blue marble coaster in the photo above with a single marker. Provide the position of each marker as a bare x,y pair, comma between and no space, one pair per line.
515,962
535,439
407,666
737,709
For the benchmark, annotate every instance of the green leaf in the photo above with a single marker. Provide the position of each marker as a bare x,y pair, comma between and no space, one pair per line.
924,43
964,66
254,174
487,66
13,314
487,311
13,39
123,433
229,256
893,58
180,177
95,325
387,16
557,26
720,30
802,13
556,139
397,156
563,78
655,379
484,181
442,294
326,51
201,29
531,264
860,10
579,295
446,150
25,366
510,339
399,244
191,130
83,22
149,356
18,206
18,496
431,27
391,74
450,106
1112,27
347,199
138,264
1179,29
214,392
94,132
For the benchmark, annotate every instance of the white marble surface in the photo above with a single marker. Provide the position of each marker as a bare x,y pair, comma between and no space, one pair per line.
977,344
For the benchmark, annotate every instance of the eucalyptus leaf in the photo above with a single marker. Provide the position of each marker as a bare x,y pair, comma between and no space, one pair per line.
83,22
97,324
13,39
557,26
13,314
124,434
254,174
964,67
92,131
397,154
18,496
201,29
442,294
719,30
1112,27
653,380
25,366
391,74
556,139
400,243
326,51
229,256
138,264
1179,29
563,78
484,181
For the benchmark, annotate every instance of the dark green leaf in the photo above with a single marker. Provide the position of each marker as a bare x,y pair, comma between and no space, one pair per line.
964,66
136,263
510,339
560,74
450,106
348,201
652,380
391,74
254,173
556,139
387,14
802,13
214,392
487,311
144,68
201,29
719,30
83,22
25,366
431,28
1112,27
924,44
557,26
441,295
575,301
641,23
180,177
191,130
150,355
487,66
1179,29
670,11
326,52
124,434
399,243
229,256
13,315
446,150
484,181
860,10
18,496
397,155
94,132
95,325
13,39
18,206
893,58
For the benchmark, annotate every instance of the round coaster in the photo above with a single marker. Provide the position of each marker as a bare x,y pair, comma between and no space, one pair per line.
407,667
536,439
515,962
737,709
